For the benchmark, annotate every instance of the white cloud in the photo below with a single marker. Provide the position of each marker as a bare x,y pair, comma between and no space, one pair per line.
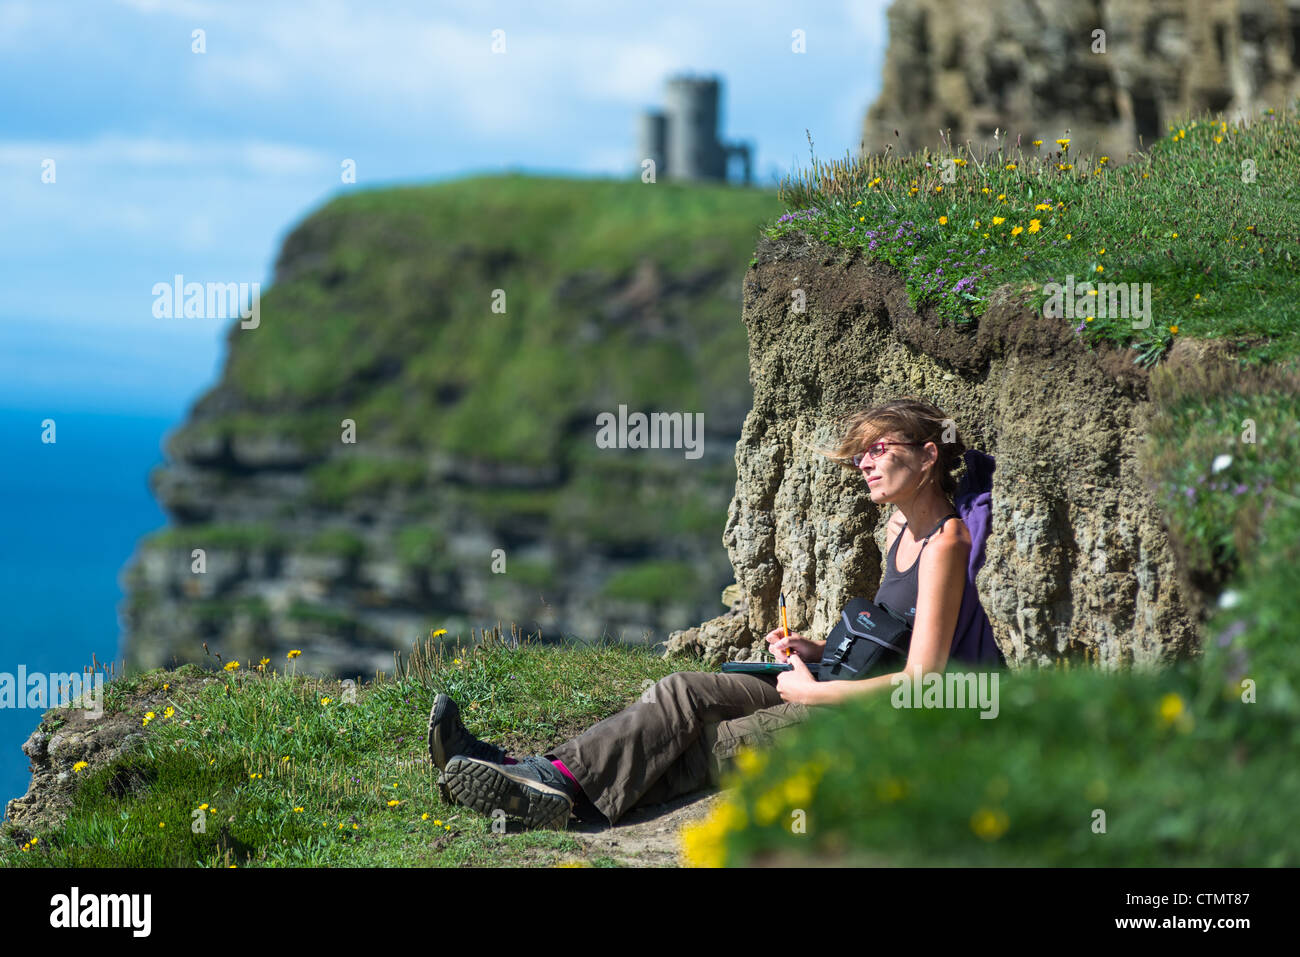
175,8
117,151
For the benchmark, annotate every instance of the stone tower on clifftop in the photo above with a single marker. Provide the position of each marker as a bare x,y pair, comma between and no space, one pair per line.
683,139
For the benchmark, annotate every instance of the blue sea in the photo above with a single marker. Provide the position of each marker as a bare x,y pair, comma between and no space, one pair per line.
73,511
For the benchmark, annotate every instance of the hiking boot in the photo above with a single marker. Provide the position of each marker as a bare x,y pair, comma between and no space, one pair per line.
532,791
448,737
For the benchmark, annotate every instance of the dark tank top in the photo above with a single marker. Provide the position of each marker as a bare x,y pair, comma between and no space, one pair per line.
898,591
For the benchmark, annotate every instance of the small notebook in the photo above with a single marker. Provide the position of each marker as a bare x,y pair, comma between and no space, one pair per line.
756,667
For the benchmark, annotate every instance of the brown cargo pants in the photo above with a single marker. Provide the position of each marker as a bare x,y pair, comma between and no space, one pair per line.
679,737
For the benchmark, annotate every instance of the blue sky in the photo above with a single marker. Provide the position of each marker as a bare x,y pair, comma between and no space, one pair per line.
169,161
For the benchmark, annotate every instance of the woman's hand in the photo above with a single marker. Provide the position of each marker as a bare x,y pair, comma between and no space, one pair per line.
798,684
781,647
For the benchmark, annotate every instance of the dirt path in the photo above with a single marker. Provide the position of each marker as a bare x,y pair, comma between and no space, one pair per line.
646,837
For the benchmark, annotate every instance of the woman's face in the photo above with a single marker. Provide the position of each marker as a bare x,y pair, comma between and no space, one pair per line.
894,474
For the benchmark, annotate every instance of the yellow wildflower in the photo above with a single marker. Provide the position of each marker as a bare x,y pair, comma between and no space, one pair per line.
1171,706
1035,225
1100,268
1038,142
989,824
394,803
1042,206
1010,166
986,191
293,654
1017,230
1174,330
943,220
1063,144
324,700
703,843
80,765
297,810
999,220
1002,196
750,761
232,665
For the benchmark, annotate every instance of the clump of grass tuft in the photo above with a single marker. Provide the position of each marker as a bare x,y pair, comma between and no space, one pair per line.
1206,216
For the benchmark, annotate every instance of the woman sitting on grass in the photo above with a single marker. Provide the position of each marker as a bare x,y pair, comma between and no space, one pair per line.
676,738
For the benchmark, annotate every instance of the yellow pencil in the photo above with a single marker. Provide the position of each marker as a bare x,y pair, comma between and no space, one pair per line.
785,628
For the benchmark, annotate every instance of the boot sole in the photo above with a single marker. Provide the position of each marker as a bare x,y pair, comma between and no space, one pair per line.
437,714
486,788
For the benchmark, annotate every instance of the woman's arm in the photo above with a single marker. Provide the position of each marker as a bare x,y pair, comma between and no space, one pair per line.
941,584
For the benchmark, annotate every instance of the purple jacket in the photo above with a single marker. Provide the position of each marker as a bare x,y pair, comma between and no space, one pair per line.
973,642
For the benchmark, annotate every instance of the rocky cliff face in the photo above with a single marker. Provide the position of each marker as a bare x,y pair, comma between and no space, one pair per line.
1034,67
475,491
1078,564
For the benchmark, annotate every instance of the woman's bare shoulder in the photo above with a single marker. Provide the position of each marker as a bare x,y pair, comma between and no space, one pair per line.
953,535
955,530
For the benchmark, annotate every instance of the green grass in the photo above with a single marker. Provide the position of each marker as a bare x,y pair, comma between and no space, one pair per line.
1173,762
342,761
218,535
657,580
1207,216
338,480
337,542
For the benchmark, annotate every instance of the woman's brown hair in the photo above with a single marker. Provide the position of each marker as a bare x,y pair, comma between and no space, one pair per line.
916,421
